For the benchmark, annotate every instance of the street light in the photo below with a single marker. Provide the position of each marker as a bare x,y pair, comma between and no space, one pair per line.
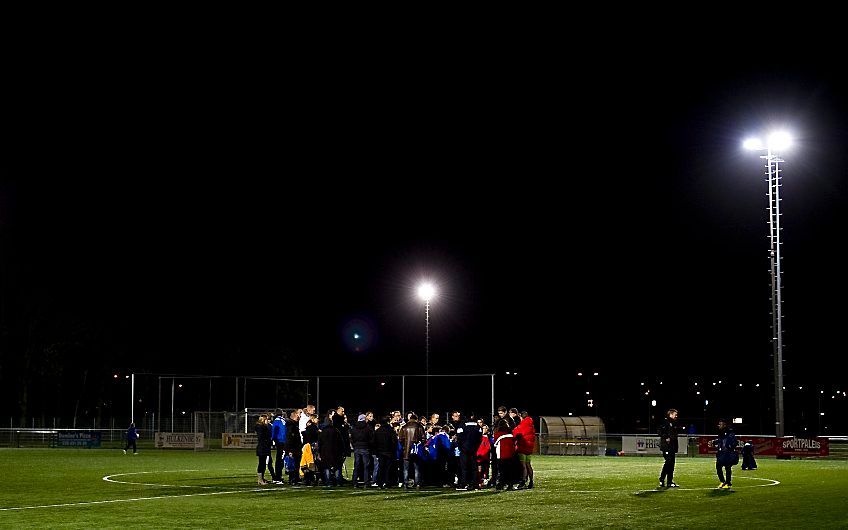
426,292
776,141
590,402
650,413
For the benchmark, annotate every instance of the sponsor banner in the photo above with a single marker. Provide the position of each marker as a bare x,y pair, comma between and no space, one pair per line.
179,440
87,439
649,445
238,440
787,446
804,447
762,446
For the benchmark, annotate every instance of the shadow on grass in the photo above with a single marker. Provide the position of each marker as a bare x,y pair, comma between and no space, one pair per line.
649,493
719,493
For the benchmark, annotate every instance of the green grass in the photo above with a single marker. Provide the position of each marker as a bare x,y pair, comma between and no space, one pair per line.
65,488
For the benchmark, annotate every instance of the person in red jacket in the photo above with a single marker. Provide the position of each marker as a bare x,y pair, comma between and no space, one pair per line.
483,458
525,442
505,454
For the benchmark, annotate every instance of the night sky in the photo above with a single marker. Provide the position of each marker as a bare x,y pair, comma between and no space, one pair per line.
593,214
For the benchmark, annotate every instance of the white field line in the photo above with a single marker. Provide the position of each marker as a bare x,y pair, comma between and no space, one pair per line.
108,478
137,499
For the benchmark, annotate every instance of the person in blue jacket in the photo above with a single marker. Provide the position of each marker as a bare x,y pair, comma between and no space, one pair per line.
726,455
438,452
278,436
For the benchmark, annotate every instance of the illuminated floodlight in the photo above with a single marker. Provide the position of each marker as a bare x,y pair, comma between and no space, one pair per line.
426,291
776,141
779,140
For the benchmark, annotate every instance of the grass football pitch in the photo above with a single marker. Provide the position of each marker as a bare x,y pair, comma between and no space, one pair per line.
50,488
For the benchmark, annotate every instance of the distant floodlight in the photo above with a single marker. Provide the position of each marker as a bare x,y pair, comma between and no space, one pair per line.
507,373
426,291
653,402
596,373
738,421
383,383
579,374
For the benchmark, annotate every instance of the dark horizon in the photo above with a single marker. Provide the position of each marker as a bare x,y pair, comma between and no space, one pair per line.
569,227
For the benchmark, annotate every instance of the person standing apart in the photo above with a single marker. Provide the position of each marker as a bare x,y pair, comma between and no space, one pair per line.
132,436
748,461
726,455
668,445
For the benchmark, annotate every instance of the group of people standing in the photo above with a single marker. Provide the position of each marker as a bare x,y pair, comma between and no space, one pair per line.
725,445
464,452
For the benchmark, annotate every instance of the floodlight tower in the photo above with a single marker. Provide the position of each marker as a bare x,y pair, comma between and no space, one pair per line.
426,291
776,141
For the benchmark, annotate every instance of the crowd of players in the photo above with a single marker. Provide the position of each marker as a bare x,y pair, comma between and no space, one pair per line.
463,452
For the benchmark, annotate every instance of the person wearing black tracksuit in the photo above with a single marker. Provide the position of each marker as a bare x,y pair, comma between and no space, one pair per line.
385,447
726,455
362,438
668,445
468,438
294,446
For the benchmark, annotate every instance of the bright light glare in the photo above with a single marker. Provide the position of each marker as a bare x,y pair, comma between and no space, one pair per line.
752,144
426,291
776,141
779,140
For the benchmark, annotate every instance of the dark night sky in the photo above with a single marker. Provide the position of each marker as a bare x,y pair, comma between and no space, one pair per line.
576,212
